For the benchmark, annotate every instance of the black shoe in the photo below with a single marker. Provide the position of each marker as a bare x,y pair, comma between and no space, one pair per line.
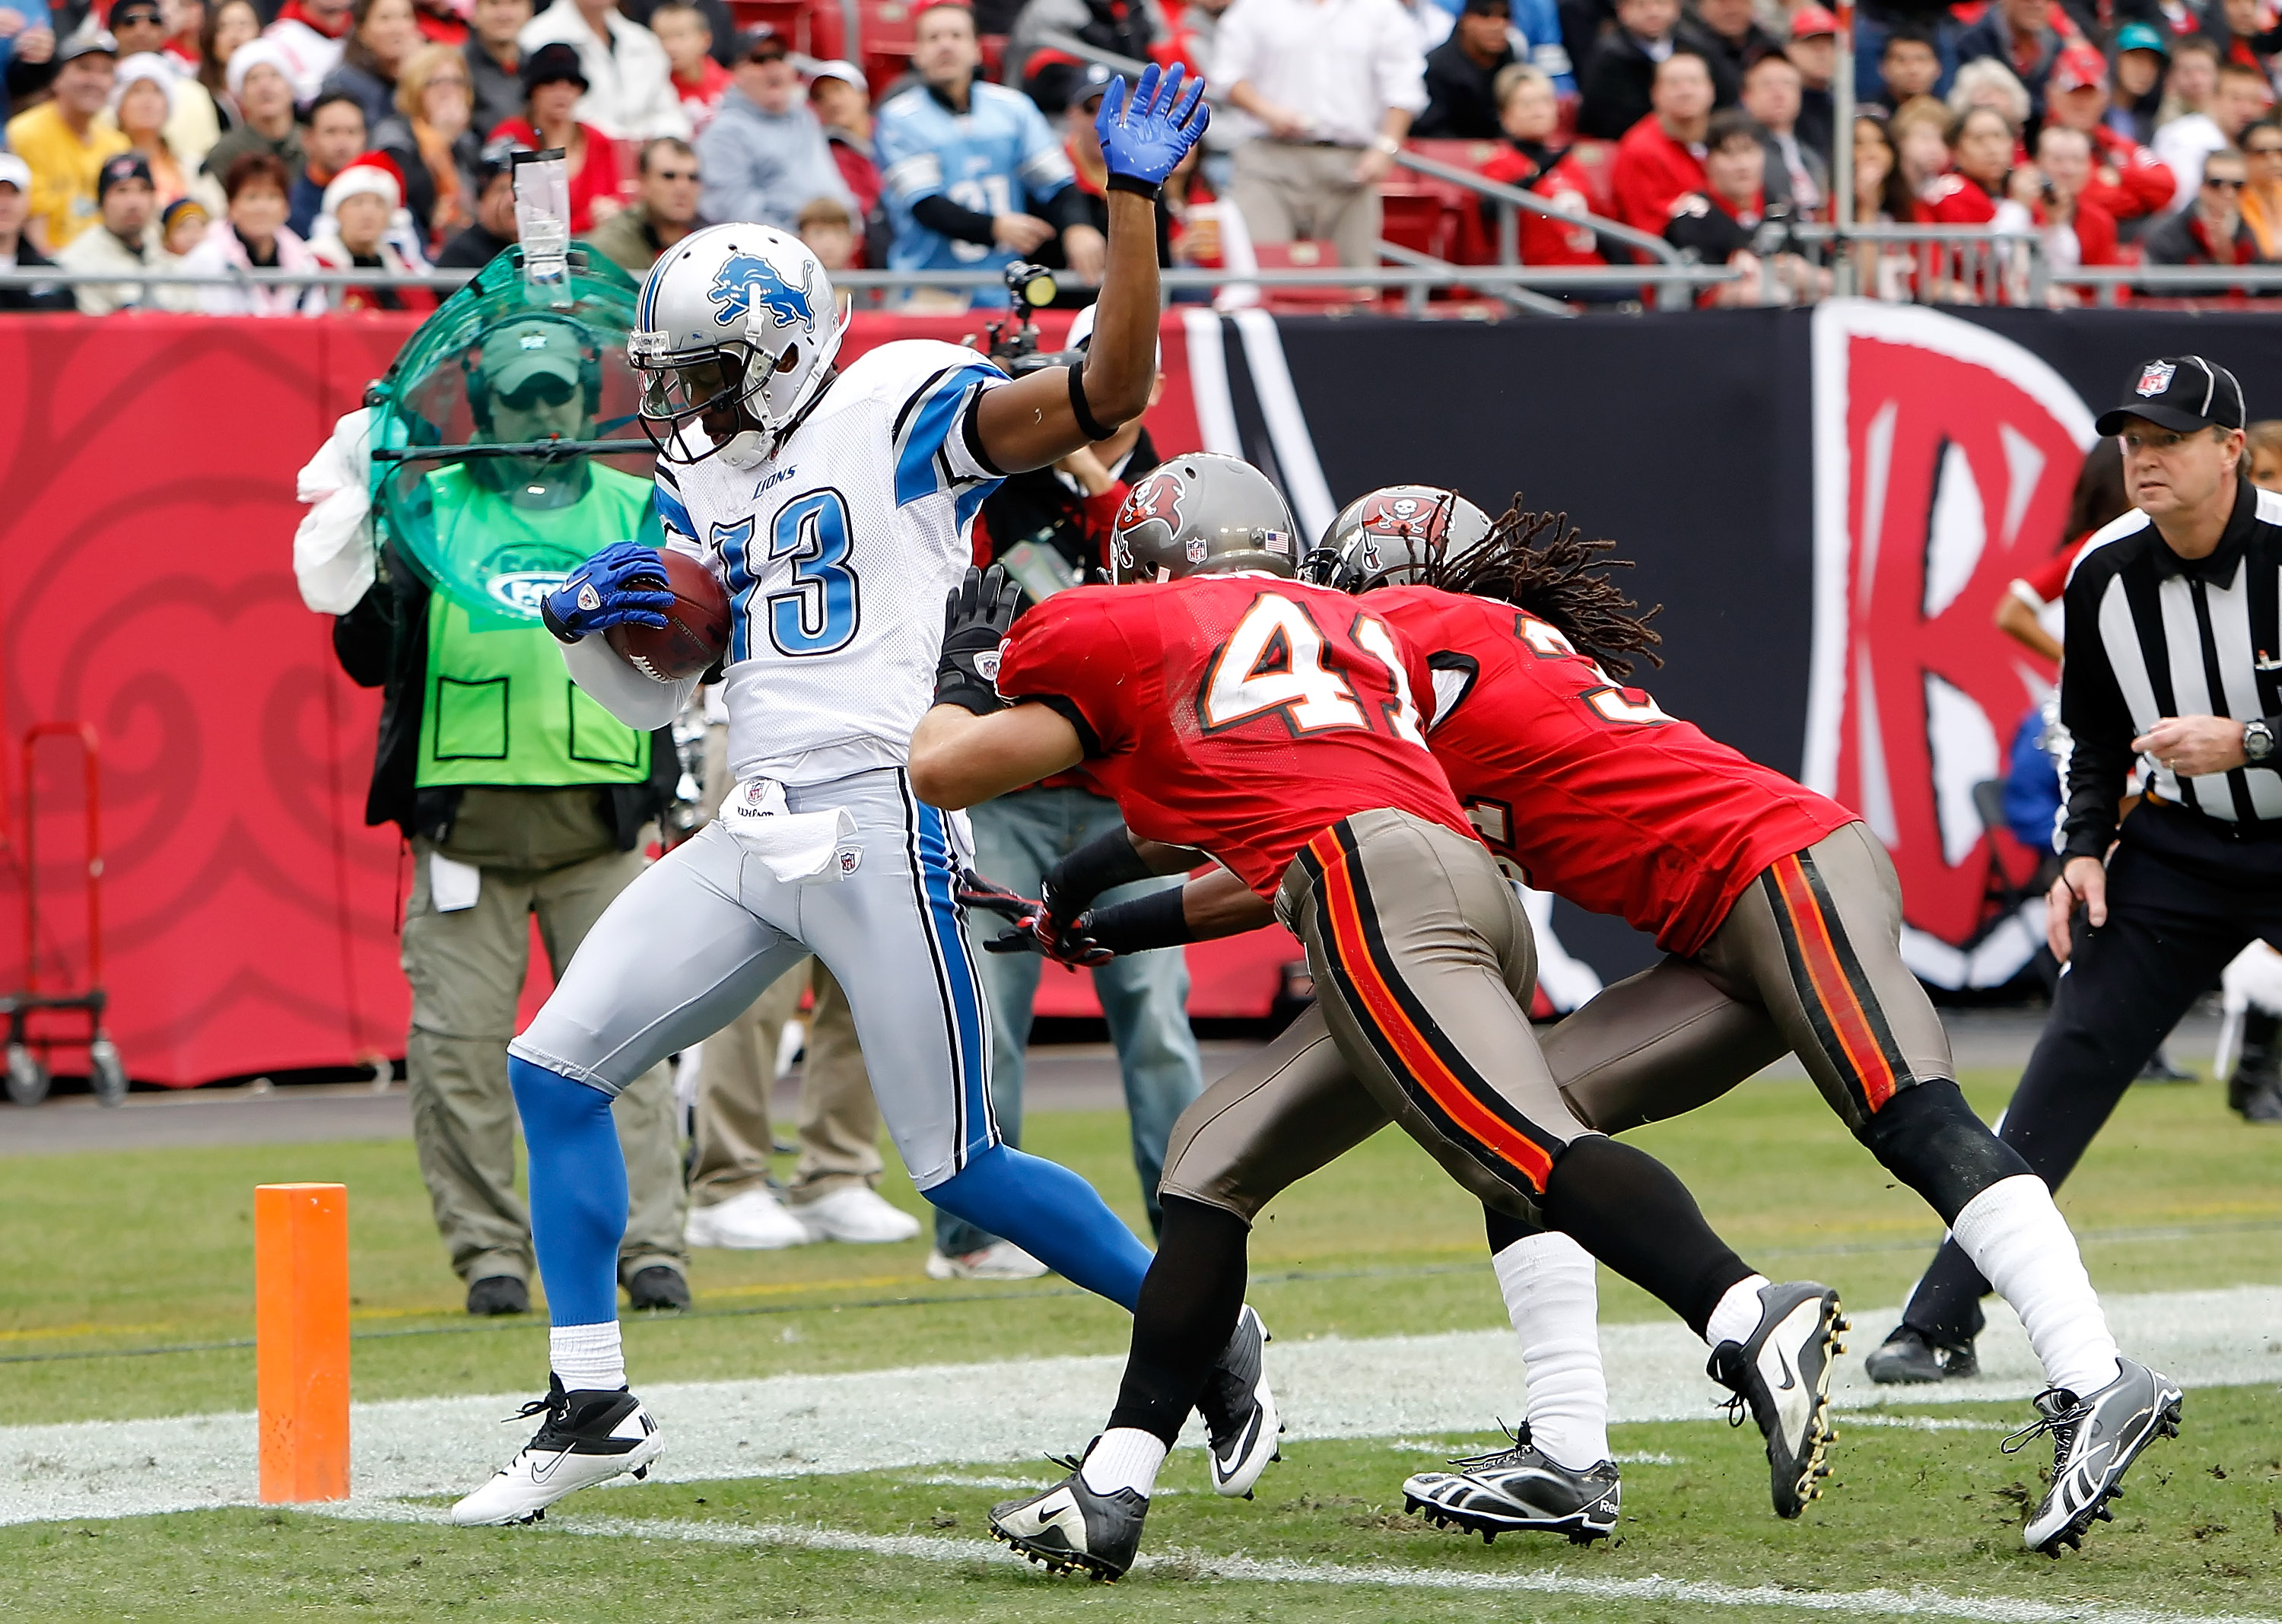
1070,1527
1909,1355
1239,1412
1782,1376
2160,1069
498,1293
1519,1491
658,1286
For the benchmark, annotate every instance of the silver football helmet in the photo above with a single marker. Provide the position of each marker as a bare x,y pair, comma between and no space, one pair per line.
1203,513
1389,536
735,333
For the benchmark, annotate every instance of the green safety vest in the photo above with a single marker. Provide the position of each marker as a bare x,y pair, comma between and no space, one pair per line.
500,706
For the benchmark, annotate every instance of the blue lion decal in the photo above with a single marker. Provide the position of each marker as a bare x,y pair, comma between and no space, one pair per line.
748,281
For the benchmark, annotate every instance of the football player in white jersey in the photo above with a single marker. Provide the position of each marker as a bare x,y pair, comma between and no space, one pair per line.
833,504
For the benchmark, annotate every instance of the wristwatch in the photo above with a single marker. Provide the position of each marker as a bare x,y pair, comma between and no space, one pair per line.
2257,741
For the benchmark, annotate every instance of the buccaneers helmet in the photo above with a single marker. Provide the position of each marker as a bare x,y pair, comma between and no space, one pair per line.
1386,537
1202,514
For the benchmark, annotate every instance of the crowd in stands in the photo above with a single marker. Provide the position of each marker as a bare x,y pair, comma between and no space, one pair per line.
205,134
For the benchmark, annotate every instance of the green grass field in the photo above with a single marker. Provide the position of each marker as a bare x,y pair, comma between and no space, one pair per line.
120,1255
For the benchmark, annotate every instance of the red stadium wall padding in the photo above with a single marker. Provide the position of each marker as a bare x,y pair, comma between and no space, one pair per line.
250,918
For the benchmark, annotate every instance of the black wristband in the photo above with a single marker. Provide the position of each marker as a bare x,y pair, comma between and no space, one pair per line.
1082,409
1102,863
1135,184
562,633
967,695
1155,921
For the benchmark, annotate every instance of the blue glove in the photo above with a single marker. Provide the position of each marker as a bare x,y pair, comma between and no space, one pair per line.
1144,139
623,583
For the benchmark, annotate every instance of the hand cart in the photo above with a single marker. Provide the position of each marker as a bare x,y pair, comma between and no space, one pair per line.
29,1049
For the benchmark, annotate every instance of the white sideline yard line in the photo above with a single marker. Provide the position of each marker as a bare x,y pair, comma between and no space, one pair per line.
1917,1602
970,1415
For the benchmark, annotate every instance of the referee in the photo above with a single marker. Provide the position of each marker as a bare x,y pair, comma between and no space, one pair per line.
2174,656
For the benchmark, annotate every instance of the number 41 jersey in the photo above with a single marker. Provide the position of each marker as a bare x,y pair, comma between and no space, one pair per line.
1239,714
836,554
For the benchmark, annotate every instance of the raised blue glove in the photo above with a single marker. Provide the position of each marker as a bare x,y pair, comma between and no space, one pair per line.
1143,139
625,582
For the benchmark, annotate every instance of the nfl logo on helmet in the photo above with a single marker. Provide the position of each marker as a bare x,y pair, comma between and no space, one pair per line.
2155,378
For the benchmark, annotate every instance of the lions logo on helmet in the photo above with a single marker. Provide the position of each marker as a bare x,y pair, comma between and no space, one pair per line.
747,284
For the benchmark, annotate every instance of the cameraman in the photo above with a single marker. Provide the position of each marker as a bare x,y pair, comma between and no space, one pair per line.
1050,528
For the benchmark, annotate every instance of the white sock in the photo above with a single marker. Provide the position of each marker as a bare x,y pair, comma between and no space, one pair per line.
588,1358
2021,1245
1553,1298
1124,1457
1738,1313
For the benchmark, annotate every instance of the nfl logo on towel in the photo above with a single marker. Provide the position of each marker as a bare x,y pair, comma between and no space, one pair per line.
2156,378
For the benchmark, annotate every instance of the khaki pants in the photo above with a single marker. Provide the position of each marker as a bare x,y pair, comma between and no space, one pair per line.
1288,192
839,1123
1807,962
543,854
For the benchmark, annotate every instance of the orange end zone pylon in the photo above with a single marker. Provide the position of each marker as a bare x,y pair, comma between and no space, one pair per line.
301,1339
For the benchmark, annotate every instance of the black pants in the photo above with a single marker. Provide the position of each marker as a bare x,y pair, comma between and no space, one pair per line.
2184,895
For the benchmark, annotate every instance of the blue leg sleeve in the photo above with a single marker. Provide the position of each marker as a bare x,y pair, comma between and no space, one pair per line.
577,1191
1043,1207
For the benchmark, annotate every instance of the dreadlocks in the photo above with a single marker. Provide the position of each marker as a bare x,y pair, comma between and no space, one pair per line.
1541,563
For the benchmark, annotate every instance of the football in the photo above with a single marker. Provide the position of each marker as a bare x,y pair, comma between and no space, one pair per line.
696,629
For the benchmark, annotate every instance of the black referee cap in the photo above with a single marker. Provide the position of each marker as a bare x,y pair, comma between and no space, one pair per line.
2182,392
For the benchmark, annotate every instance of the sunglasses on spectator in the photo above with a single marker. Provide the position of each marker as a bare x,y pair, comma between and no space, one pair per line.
124,17
546,388
2222,184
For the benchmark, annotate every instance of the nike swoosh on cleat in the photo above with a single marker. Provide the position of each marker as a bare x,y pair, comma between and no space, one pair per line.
1226,1465
539,1473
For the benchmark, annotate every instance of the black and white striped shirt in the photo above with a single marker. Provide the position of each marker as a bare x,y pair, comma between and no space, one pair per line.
2151,634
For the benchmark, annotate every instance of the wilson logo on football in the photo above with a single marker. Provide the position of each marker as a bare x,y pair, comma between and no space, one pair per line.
1948,453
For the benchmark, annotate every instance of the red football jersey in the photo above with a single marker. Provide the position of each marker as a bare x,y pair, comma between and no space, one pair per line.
1239,714
1586,787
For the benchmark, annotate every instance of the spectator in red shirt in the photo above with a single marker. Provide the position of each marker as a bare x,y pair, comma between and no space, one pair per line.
841,100
2213,232
698,80
553,81
2127,180
1661,157
2248,35
1529,112
2054,191
1981,146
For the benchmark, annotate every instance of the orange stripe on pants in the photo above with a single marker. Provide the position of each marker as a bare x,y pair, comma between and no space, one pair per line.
1831,986
1343,912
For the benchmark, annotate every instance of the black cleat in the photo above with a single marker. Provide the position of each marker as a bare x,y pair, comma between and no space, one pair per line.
1782,1377
1239,1412
587,1437
1070,1527
498,1293
2095,1440
1519,1491
659,1286
1908,1354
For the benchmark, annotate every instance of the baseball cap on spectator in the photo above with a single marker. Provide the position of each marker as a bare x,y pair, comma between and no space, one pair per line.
96,44
120,170
2181,394
1810,20
847,72
1093,85
2079,68
15,172
760,43
254,53
2139,36
496,159
554,62
372,174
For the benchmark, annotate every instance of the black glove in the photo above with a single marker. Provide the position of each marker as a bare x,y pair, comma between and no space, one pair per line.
1036,929
976,614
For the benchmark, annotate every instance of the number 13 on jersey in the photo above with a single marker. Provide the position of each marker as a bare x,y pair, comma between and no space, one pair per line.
1274,664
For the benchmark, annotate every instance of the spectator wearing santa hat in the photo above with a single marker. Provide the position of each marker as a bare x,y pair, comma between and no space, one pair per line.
259,80
365,226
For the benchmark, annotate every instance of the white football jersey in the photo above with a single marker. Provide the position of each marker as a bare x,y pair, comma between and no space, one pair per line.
837,553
